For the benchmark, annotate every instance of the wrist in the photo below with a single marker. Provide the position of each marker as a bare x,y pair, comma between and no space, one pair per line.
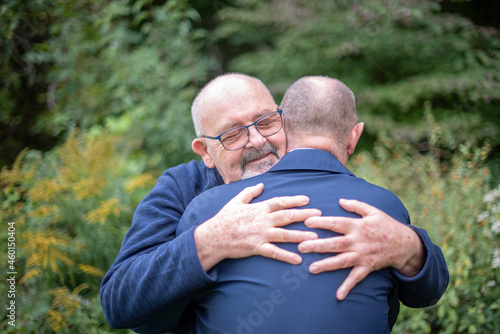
207,248
414,257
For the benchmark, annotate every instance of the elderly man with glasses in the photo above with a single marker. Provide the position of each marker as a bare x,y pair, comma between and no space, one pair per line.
239,129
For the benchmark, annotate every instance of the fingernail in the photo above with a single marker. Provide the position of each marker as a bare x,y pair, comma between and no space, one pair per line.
303,248
308,222
312,236
313,269
341,296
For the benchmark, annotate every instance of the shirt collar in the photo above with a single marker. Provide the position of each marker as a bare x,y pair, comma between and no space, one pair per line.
310,159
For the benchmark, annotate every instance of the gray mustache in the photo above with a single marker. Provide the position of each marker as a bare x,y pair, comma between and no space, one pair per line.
251,155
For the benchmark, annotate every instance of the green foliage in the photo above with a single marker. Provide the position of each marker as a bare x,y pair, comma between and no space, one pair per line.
455,203
131,67
21,23
71,209
395,55
427,86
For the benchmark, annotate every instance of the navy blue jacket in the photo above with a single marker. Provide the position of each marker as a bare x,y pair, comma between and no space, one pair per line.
268,296
156,271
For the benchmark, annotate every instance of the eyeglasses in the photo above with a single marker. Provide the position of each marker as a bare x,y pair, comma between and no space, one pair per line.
236,138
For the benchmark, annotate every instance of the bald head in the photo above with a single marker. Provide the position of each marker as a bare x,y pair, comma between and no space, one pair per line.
318,106
227,91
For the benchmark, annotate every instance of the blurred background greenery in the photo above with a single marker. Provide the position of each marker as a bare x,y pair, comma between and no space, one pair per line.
95,99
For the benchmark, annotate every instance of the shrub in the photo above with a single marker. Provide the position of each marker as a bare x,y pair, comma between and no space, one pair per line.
71,208
454,201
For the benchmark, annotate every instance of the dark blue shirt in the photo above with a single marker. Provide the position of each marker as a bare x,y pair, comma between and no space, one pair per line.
262,295
156,273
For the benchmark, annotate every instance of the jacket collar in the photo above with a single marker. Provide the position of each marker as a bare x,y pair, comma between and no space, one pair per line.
310,159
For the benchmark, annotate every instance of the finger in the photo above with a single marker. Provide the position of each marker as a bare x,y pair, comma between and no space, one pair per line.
341,225
356,275
358,207
248,194
336,262
274,252
285,217
285,202
284,235
326,245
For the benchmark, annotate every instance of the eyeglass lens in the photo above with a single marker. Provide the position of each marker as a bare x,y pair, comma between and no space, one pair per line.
237,138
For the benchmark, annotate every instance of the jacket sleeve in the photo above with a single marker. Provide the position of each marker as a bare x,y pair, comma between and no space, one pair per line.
154,270
426,288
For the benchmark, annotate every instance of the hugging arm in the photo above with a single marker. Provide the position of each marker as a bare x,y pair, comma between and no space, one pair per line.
157,269
153,268
238,230
377,241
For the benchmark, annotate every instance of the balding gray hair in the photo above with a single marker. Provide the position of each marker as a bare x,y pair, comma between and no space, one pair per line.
320,106
199,100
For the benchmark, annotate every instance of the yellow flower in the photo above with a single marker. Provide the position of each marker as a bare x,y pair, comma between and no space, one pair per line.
44,249
91,270
63,306
30,273
106,208
141,181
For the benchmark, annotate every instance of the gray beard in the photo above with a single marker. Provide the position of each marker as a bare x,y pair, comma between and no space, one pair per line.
254,154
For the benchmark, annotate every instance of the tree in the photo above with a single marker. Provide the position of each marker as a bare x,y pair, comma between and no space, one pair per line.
403,59
128,67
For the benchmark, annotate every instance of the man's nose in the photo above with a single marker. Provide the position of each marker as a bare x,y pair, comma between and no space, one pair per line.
256,139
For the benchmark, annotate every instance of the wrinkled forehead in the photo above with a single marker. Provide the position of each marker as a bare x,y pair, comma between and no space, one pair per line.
234,105
233,90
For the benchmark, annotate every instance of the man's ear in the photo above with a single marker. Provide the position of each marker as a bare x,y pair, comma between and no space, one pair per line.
199,147
354,137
